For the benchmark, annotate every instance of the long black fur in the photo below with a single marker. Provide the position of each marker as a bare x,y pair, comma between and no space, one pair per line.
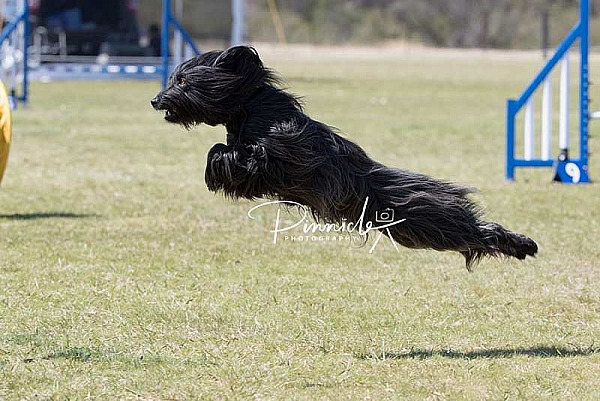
276,151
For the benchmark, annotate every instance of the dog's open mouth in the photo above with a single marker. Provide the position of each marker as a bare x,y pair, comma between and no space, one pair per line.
170,115
170,111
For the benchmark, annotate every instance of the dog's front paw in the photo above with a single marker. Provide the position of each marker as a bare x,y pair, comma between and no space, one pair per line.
217,150
215,162
211,179
211,175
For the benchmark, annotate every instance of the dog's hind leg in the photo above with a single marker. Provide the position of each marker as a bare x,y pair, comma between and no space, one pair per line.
441,216
499,240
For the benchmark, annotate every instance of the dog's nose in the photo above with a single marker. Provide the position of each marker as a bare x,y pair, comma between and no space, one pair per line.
154,102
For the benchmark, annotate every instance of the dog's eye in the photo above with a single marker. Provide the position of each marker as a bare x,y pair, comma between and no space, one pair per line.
181,81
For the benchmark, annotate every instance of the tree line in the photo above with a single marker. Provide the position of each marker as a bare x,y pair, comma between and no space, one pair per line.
452,23
444,23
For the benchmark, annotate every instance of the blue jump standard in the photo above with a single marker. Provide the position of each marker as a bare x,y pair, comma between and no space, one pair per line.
571,171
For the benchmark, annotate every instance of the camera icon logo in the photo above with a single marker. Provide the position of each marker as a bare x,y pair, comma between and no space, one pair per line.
384,216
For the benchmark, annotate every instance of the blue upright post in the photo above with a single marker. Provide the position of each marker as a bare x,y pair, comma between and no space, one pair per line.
566,169
584,111
169,20
164,44
26,30
510,138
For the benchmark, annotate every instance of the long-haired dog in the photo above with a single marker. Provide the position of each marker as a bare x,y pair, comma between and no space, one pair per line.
276,151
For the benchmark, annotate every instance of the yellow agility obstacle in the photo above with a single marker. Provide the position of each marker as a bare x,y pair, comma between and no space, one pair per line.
5,129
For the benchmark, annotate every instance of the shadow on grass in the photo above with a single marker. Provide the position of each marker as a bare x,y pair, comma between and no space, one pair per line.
85,354
81,354
493,353
46,215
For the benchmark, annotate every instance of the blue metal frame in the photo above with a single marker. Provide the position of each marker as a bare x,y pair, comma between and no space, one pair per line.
167,20
6,32
513,106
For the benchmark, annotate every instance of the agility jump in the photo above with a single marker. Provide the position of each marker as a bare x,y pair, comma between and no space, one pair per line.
19,62
14,55
566,168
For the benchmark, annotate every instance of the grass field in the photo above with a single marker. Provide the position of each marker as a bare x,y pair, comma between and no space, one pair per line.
122,277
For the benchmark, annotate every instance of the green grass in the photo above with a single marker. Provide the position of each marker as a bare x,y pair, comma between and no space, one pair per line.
121,276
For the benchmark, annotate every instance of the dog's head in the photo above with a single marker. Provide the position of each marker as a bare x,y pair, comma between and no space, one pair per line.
213,87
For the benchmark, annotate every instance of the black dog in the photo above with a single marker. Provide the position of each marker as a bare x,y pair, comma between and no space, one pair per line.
274,150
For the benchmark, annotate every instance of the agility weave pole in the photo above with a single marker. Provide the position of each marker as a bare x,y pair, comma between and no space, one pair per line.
5,129
566,169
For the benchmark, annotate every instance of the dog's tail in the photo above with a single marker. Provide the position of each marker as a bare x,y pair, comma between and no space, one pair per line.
441,216
496,241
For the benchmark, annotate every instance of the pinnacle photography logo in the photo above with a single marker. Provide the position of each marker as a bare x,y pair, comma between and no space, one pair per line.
304,229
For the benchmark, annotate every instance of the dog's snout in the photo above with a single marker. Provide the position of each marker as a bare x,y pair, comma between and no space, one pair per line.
155,102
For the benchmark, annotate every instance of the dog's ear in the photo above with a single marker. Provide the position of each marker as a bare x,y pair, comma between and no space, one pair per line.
237,57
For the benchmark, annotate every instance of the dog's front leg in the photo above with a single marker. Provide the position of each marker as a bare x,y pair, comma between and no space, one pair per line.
214,164
237,171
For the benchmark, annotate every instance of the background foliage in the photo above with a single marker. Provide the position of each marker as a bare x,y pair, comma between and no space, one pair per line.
455,23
